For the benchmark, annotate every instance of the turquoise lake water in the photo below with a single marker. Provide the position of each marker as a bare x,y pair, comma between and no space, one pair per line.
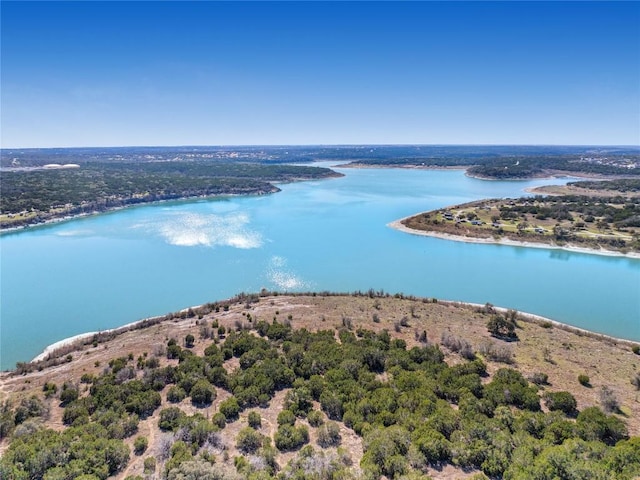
100,272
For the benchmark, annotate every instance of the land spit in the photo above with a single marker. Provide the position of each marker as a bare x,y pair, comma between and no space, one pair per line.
561,352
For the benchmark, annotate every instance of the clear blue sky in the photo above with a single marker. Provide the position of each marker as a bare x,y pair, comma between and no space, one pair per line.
209,73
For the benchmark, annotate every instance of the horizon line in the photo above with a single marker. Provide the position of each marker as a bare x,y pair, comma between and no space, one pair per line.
274,145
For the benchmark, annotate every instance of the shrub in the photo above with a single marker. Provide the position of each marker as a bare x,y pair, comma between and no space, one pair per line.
248,440
170,418
593,424
508,387
584,380
202,393
315,418
501,327
189,341
140,444
176,394
230,408
497,353
539,378
636,349
433,445
329,435
198,468
219,420
49,389
286,417
635,380
609,400
458,345
30,407
173,351
86,378
332,405
71,415
562,401
254,420
149,465
68,395
288,438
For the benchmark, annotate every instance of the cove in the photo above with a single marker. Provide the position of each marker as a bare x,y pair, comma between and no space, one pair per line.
100,272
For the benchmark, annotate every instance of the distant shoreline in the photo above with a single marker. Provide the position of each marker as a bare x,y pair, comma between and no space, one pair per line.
404,167
397,224
539,176
70,217
65,216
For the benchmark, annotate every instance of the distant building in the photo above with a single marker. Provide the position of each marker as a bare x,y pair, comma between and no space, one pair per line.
55,166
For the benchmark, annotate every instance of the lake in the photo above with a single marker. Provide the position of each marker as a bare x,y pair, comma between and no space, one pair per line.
104,271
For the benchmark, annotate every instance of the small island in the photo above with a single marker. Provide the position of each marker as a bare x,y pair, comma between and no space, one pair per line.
598,224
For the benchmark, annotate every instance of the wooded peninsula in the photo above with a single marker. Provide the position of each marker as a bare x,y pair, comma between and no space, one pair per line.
40,194
609,221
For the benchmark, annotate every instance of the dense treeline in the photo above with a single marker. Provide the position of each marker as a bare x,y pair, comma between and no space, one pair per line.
620,185
619,211
526,167
411,409
511,164
609,222
98,187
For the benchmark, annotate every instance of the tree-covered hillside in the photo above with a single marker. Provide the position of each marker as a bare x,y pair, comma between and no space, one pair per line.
33,196
259,398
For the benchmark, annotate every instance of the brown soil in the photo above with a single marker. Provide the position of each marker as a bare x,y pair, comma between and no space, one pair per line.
558,352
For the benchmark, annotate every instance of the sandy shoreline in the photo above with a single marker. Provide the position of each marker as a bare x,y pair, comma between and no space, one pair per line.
555,323
66,342
397,224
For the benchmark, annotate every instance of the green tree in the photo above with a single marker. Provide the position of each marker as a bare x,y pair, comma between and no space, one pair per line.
140,445
202,393
248,440
501,327
562,401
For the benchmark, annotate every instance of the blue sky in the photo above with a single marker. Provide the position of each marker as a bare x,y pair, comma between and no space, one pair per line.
243,73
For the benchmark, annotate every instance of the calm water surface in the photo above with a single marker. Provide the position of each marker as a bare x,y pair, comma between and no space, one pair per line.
104,271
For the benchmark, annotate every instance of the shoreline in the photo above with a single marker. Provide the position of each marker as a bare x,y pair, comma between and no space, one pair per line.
81,337
540,190
69,342
401,166
397,225
547,174
551,174
71,217
526,316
